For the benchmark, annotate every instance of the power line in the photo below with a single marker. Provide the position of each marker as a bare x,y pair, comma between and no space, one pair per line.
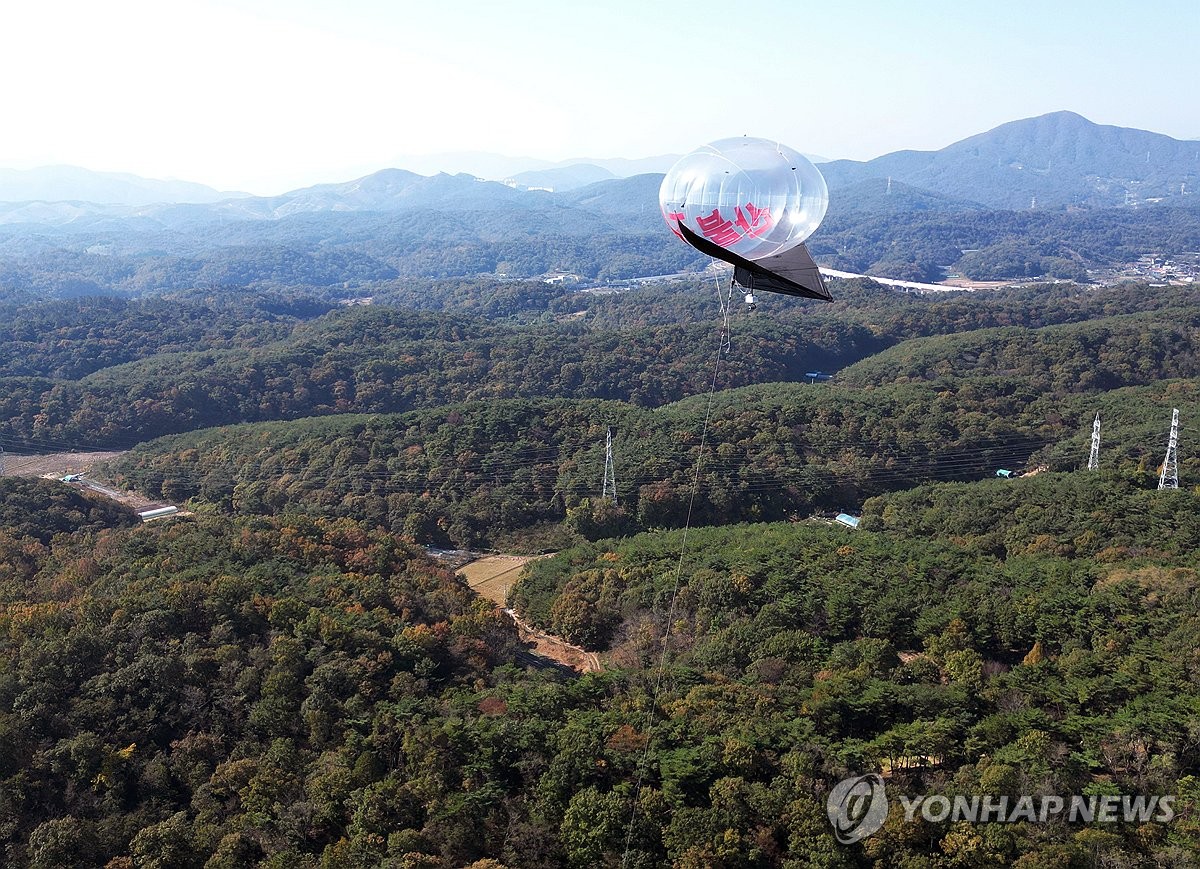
452,469
651,712
757,473
764,473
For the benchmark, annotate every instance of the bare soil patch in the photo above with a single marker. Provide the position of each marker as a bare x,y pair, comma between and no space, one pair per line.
58,464
491,577
556,648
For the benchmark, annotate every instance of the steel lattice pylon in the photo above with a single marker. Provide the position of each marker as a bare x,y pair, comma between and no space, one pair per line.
1169,478
609,486
1094,458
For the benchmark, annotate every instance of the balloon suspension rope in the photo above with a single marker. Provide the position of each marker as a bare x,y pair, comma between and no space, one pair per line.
724,299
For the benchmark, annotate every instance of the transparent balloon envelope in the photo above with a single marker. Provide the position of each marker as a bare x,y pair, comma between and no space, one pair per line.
755,197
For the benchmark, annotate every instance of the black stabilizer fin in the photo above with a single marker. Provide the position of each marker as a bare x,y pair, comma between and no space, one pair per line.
792,273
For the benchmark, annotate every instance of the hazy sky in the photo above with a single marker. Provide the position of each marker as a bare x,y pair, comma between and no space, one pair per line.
267,95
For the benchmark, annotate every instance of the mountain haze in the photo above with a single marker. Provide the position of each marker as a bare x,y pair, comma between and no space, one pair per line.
894,197
564,178
1053,161
498,167
1060,158
74,184
386,190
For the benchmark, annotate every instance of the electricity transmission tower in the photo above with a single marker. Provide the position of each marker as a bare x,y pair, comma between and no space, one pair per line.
1094,458
609,487
1169,478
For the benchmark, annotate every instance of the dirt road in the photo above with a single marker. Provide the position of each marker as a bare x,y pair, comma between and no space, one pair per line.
491,577
59,465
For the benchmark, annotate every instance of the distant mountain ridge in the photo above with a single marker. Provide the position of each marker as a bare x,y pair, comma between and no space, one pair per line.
1058,159
1055,160
75,184
497,167
563,178
388,190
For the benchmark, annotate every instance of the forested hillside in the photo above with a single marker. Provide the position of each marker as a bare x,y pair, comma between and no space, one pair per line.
472,474
468,473
954,406
284,678
37,510
1012,637
294,691
241,691
285,362
379,361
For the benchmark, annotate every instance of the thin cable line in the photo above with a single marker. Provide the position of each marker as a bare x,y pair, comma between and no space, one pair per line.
722,347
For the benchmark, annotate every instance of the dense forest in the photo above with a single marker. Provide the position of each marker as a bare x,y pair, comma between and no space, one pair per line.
288,363
953,406
473,474
283,676
37,510
1033,636
293,691
266,689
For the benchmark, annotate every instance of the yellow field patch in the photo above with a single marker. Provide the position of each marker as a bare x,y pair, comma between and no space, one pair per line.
493,575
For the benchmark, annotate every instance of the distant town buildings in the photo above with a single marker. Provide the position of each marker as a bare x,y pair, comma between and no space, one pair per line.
1180,270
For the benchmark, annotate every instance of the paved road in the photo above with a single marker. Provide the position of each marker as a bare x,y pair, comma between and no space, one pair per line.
892,282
